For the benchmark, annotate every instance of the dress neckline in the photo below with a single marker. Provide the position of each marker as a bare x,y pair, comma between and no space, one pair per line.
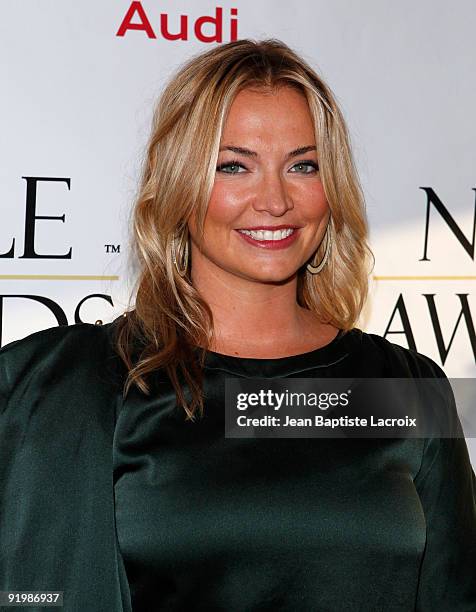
332,352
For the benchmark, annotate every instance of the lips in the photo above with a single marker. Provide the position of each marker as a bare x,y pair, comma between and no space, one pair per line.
262,234
269,237
270,227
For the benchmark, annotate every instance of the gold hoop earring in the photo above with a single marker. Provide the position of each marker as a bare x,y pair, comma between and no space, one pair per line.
180,252
311,267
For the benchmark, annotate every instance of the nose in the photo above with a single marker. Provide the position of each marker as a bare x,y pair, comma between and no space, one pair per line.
272,195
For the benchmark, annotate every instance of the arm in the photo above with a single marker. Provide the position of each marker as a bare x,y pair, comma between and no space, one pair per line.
57,529
446,485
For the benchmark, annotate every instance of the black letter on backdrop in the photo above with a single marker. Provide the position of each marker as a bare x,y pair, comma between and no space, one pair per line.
53,306
31,216
11,252
108,298
432,198
407,328
465,311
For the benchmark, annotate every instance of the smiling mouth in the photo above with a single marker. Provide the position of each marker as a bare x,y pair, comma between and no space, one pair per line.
279,234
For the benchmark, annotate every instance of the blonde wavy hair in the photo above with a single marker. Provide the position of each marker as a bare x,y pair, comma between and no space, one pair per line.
170,325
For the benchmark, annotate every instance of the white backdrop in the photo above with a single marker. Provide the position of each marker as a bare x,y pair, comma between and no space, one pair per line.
76,107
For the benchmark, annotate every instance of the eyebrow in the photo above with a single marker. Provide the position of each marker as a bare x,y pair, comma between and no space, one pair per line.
249,153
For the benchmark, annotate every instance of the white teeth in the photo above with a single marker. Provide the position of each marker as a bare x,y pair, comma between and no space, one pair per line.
268,234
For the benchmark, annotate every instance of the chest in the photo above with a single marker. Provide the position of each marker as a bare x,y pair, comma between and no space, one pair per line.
208,495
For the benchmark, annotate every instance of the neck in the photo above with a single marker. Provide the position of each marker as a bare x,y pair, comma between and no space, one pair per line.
255,317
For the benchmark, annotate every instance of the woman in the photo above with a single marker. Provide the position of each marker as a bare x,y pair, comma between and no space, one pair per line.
119,485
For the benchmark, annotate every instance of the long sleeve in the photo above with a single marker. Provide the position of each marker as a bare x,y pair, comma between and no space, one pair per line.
56,494
447,488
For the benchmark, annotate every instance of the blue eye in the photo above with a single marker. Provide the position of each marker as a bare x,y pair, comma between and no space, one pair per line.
231,164
314,167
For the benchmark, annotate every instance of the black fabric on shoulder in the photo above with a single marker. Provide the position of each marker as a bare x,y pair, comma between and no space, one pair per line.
58,405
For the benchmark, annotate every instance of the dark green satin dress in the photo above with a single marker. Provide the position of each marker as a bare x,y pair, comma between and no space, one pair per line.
126,506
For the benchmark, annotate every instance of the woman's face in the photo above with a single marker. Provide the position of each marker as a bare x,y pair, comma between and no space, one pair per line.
267,212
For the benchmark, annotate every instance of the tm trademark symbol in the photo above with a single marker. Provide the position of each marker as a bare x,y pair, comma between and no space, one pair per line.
113,248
